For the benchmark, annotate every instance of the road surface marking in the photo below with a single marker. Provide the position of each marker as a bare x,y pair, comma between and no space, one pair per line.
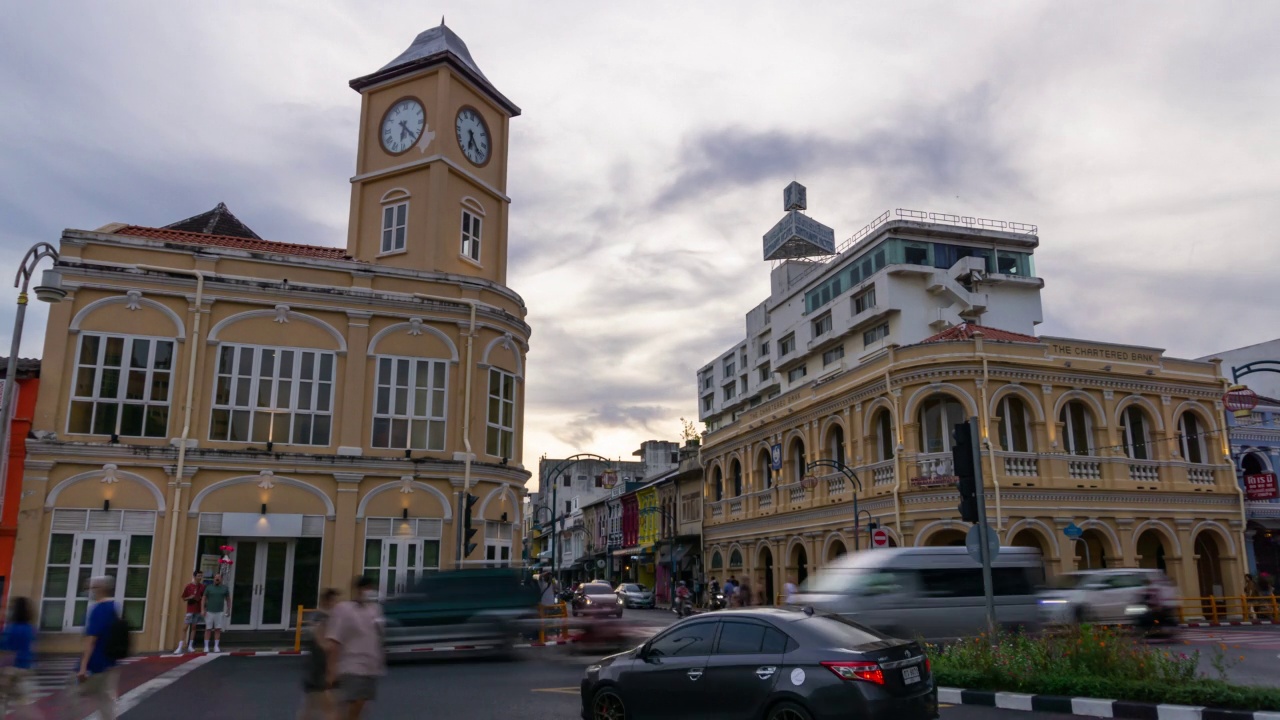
562,691
131,699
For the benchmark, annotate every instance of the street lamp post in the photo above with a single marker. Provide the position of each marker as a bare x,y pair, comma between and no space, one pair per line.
49,290
555,546
848,473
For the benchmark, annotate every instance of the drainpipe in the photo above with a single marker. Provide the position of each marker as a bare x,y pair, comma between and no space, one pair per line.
1235,481
986,436
466,411
897,455
175,509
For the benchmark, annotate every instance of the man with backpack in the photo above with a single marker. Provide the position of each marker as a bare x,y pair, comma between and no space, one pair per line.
106,641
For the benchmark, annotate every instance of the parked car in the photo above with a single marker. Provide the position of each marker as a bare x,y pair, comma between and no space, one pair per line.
932,592
1117,596
481,608
766,664
597,599
635,595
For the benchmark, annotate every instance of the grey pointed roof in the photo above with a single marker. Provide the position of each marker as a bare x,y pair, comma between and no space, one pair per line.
218,221
435,41
437,45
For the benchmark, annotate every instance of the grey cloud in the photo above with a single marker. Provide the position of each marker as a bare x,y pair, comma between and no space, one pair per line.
953,146
580,431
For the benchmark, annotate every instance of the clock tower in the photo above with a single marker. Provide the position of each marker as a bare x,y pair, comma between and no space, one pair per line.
430,189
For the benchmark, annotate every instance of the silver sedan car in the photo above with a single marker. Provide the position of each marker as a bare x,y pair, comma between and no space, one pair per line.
635,595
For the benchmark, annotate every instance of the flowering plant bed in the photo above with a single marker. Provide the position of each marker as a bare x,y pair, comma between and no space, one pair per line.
1095,662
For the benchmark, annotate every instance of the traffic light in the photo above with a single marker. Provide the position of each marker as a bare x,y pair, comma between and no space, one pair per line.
962,461
468,532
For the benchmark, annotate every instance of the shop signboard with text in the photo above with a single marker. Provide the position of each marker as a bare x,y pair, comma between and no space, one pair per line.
1261,486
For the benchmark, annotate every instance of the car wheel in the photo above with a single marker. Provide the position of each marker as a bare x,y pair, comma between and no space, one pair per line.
789,711
606,704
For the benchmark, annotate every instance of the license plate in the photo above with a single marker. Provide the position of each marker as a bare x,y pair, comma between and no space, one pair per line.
910,675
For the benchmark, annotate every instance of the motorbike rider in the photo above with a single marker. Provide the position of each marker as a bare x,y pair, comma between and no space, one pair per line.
682,599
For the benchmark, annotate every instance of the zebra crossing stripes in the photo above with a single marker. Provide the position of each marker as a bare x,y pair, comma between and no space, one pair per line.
1230,638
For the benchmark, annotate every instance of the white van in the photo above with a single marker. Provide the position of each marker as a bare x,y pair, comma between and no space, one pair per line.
930,592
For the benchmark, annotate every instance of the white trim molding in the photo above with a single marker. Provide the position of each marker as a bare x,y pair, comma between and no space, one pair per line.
279,313
133,300
108,474
330,512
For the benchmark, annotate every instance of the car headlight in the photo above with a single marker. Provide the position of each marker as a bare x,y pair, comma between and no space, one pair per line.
587,601
1136,610
1053,601
619,601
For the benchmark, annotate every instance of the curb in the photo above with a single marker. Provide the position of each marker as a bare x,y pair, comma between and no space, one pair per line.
429,648
1093,707
1229,623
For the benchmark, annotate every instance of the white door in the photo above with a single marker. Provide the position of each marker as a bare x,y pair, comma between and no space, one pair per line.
92,555
261,584
397,563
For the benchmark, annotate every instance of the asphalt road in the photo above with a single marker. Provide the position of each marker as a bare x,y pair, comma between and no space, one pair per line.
1250,654
544,686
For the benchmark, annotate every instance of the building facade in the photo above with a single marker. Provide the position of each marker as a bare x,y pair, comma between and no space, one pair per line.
1122,442
293,414
24,406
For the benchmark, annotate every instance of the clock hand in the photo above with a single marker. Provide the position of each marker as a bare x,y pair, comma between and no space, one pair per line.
404,129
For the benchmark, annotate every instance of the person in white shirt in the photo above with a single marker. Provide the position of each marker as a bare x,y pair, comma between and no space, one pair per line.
550,590
789,590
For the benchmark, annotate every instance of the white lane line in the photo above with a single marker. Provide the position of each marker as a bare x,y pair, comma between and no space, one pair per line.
134,697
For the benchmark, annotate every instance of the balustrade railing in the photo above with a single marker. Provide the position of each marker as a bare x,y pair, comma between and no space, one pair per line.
1021,466
1084,469
1144,470
1200,475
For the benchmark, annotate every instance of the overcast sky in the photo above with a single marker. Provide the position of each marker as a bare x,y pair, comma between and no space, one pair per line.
656,139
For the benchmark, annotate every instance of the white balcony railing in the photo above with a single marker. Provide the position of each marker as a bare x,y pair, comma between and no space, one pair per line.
766,499
735,506
796,493
1144,470
882,473
1200,475
1021,466
1084,469
836,485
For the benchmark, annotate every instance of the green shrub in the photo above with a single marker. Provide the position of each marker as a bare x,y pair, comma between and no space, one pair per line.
1092,662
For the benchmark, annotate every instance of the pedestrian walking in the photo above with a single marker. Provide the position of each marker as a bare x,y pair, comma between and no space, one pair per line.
192,594
102,640
356,658
549,590
789,590
18,661
743,593
317,700
215,606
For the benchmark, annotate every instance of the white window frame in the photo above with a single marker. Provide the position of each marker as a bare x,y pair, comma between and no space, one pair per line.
502,428
101,526
150,373
1007,428
472,234
787,345
832,356
1134,447
822,325
1070,443
392,412
947,406
498,536
1193,439
278,415
875,334
794,374
418,532
864,301
730,390
395,227
885,445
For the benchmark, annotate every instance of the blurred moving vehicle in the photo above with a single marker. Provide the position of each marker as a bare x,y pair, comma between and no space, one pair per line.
1123,596
597,598
765,663
930,592
635,595
481,607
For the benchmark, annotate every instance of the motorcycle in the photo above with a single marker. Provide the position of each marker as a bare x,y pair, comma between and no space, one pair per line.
682,608
718,601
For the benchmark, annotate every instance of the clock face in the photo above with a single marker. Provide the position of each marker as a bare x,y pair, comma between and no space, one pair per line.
473,136
403,125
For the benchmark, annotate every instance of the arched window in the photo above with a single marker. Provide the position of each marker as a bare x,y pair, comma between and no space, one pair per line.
718,481
938,416
1135,433
735,559
764,469
717,562
884,436
1015,425
1077,428
798,462
835,443
735,471
1191,433
1252,464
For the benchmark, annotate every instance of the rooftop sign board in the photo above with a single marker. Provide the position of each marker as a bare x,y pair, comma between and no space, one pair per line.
797,236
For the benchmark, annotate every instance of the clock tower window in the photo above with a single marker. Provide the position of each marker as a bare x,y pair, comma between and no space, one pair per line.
395,221
470,236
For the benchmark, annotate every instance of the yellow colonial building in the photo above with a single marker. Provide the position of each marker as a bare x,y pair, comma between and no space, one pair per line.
292,414
869,353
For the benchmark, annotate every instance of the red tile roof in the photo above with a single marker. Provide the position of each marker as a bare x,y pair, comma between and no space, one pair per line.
965,331
239,243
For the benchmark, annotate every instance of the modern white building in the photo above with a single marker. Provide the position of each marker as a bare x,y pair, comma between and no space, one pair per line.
903,278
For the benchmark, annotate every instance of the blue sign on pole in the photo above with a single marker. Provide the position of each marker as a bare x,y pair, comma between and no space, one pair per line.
776,452
1072,531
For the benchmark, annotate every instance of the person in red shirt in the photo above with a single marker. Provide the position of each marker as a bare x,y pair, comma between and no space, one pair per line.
192,594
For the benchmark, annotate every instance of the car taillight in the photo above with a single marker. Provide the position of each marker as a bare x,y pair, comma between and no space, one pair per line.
857,670
928,666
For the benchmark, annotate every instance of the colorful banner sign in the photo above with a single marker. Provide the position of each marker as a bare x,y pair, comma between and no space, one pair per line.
1261,486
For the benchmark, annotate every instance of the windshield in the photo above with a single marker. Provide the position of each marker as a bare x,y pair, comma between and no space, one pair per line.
865,581
597,590
1071,581
634,588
